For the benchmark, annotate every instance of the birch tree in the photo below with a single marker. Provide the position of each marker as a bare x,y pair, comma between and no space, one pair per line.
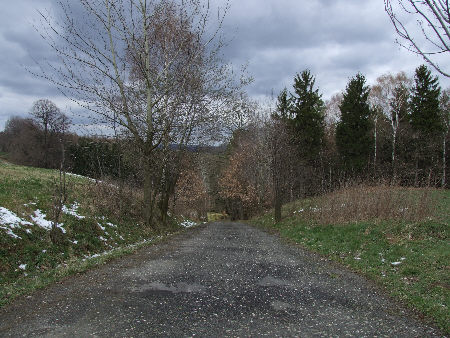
390,94
152,67
445,112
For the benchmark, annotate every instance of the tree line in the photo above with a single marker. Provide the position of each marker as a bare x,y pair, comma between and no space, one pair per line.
393,132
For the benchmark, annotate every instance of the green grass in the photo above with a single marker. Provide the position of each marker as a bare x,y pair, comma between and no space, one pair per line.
370,246
31,260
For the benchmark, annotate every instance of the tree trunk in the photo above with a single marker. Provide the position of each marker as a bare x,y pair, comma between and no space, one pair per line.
276,176
148,194
45,146
278,204
444,162
164,208
394,169
375,150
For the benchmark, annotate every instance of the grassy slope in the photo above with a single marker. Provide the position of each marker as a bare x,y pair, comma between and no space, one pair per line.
23,190
416,242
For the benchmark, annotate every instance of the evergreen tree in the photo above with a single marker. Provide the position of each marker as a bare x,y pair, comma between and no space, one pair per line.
307,116
426,122
353,138
425,115
283,111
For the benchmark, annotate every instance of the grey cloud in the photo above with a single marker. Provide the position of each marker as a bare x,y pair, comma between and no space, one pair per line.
278,38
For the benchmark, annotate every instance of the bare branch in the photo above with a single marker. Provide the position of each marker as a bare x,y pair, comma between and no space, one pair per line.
433,19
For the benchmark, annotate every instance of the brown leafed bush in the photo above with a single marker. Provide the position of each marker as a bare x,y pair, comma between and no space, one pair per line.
191,194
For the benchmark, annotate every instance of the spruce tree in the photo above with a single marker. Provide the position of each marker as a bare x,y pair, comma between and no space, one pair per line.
283,106
426,123
307,116
425,114
353,136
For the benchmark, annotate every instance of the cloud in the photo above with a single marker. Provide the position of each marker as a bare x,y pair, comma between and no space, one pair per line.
335,39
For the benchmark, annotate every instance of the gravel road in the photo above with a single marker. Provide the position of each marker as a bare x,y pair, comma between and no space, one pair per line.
221,279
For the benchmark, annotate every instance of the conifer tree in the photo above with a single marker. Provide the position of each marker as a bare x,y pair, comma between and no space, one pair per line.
283,111
426,122
307,116
353,138
425,116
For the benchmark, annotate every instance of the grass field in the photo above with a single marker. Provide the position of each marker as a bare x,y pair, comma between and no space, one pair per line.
97,224
397,237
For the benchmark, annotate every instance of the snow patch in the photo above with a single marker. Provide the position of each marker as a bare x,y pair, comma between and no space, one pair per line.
9,218
39,219
10,233
85,177
187,223
73,210
11,221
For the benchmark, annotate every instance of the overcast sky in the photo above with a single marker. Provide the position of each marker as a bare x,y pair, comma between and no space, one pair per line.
335,39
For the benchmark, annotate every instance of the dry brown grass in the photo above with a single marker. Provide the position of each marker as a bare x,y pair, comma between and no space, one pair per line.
111,198
378,203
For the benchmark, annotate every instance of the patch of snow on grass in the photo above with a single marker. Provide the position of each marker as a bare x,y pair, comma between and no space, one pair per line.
11,221
10,233
85,177
73,210
9,218
39,219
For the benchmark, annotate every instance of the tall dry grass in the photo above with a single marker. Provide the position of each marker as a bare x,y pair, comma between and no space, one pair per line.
112,198
361,203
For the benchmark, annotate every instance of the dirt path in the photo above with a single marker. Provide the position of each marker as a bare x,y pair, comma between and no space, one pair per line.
223,279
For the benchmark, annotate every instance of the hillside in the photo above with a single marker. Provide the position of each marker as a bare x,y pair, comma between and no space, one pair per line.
398,237
96,222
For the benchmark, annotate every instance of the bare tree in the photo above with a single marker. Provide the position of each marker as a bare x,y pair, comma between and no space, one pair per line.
332,111
48,115
390,95
22,139
445,111
152,67
433,24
